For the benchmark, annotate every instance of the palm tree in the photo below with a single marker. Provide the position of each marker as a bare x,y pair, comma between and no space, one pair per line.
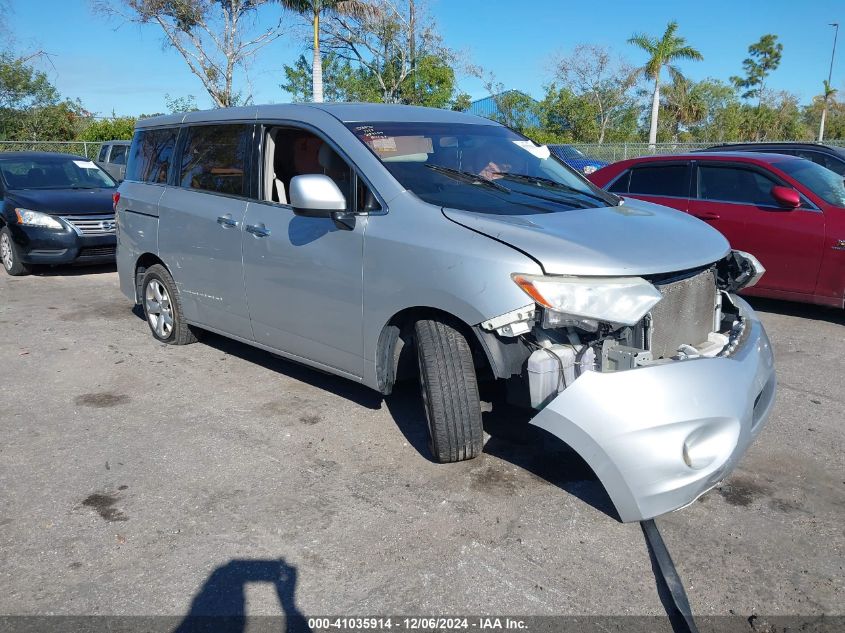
313,9
684,103
828,94
662,53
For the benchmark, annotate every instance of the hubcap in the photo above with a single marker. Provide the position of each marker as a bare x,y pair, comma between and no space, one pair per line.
159,310
6,252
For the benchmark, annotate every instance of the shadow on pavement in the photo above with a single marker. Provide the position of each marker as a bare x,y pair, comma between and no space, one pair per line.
803,310
71,270
335,384
220,605
512,439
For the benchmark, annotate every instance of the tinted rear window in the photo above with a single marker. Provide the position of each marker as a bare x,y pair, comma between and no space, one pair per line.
662,180
118,154
214,158
150,155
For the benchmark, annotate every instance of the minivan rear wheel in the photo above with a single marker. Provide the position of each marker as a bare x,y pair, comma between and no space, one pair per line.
449,391
163,308
10,255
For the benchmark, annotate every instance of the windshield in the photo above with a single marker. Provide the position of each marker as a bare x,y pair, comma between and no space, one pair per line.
483,168
826,184
53,172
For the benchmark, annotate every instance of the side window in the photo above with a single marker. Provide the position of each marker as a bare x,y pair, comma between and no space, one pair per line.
734,184
118,155
620,185
104,149
660,180
824,160
150,155
214,158
298,152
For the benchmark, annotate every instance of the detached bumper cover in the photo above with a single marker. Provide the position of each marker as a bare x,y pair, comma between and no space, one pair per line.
634,427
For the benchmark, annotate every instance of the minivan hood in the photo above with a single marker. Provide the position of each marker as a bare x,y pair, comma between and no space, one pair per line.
62,201
635,238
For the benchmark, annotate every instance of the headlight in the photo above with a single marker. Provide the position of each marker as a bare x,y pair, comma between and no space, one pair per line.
35,218
751,267
618,300
589,169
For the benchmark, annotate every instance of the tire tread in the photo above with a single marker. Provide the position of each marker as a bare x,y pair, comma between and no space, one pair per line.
450,391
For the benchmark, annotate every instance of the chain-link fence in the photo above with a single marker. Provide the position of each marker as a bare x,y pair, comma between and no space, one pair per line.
89,149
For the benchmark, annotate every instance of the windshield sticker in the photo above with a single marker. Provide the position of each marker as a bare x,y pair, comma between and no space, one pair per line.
393,147
540,151
85,164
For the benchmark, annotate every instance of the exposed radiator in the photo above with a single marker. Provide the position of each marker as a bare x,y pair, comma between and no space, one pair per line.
685,315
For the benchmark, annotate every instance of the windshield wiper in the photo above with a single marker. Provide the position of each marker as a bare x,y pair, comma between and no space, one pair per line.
468,176
555,184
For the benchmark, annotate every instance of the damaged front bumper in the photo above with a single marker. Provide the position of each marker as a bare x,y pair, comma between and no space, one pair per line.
660,436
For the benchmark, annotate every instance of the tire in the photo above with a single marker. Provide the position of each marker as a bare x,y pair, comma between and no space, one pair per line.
10,255
163,308
449,391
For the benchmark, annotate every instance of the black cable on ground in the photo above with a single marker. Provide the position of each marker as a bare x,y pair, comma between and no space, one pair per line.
678,609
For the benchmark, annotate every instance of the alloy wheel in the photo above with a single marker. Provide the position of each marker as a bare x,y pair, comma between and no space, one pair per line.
159,309
6,252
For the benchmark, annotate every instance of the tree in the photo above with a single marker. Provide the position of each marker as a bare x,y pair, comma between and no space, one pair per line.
175,105
764,57
341,82
828,94
30,106
212,36
592,72
662,52
313,9
398,46
116,128
684,106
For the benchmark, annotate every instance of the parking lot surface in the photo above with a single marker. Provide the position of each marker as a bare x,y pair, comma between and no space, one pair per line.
139,478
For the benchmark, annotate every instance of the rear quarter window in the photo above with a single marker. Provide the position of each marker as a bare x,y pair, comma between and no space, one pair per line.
150,155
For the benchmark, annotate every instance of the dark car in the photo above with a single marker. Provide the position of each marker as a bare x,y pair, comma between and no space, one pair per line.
577,159
788,212
831,157
57,209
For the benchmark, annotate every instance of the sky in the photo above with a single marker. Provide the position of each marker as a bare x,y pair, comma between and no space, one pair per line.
127,70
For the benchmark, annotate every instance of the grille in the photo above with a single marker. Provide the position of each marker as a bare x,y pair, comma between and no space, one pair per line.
96,251
684,315
91,224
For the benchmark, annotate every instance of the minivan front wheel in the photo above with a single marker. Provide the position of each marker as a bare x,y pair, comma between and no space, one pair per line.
10,254
449,391
163,309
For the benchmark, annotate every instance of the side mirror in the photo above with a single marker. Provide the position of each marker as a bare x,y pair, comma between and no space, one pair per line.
786,197
315,196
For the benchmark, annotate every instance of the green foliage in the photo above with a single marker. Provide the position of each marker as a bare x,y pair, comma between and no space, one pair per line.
175,105
120,128
341,82
663,52
763,58
432,84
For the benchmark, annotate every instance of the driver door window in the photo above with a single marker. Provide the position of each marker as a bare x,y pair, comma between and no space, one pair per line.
291,153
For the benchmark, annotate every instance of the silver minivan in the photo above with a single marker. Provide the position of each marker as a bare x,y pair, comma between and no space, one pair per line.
379,242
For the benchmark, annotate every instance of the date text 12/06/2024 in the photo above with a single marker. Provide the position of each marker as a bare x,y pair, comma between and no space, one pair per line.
480,623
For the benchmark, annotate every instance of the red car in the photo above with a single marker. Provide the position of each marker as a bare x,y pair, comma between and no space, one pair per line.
788,212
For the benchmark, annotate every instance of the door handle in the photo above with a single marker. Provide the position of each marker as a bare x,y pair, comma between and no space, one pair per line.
258,230
707,215
227,222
